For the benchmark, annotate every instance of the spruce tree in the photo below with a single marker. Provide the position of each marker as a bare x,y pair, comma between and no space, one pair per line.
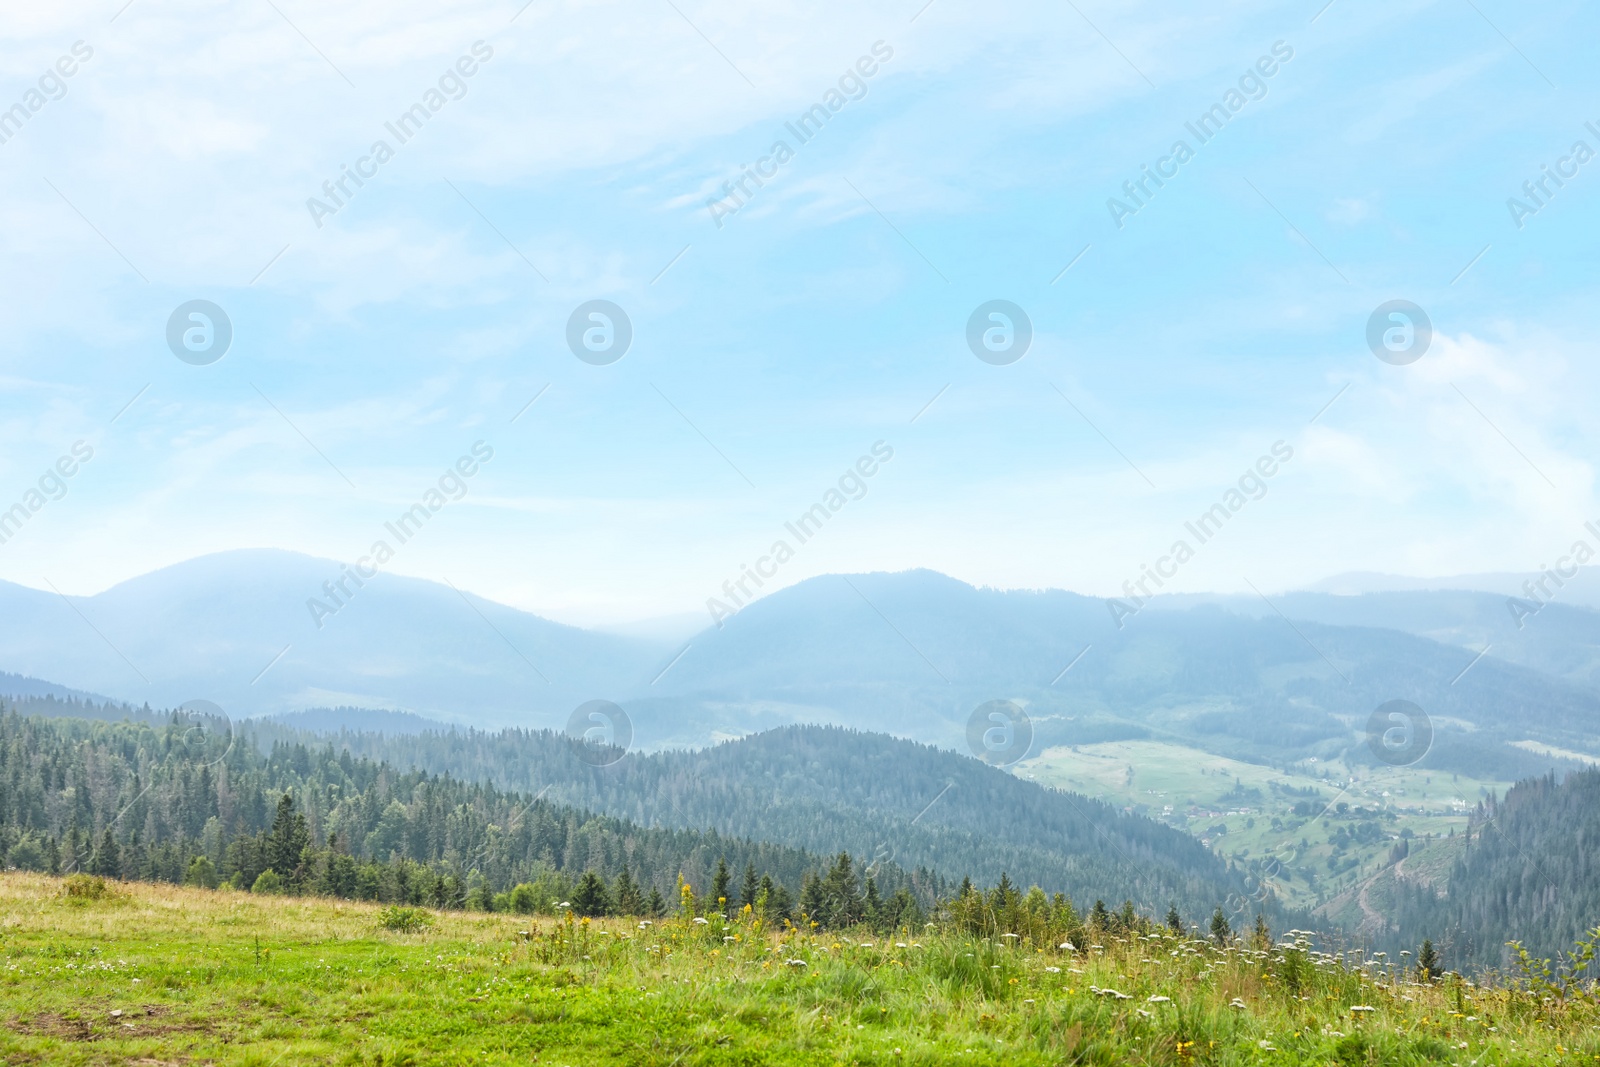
812,902
629,900
287,840
1428,961
1221,932
841,895
719,885
590,899
747,892
780,904
1175,921
872,907
107,859
902,911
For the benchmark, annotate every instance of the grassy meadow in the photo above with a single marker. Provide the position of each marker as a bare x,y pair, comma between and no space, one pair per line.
1315,856
155,975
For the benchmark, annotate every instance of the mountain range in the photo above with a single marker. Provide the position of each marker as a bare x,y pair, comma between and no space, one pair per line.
910,654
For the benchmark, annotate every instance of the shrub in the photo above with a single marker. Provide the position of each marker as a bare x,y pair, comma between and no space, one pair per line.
27,854
202,872
85,887
268,882
405,920
524,899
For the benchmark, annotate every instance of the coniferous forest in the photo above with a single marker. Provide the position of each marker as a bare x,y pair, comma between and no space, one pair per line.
1529,870
170,798
826,789
194,801
184,799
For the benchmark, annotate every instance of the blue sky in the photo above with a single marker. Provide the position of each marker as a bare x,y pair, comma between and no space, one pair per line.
819,319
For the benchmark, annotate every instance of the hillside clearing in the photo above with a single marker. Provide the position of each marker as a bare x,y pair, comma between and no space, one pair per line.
156,974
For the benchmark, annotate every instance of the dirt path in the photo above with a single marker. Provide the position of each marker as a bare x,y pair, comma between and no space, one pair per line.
1369,915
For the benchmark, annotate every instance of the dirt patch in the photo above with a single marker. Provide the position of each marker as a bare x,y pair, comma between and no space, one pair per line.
53,1024
146,1021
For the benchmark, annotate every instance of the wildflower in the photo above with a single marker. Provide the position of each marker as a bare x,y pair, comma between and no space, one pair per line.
1160,1000
699,921
1053,970
1237,1003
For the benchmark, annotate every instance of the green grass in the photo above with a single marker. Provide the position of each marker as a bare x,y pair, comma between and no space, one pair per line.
155,975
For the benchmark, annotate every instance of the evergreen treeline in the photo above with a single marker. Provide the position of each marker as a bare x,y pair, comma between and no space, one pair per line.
188,801
827,790
1529,870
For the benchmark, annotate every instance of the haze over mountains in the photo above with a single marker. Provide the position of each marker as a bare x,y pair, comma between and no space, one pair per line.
909,654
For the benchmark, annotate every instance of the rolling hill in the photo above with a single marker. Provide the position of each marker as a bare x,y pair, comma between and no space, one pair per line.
909,654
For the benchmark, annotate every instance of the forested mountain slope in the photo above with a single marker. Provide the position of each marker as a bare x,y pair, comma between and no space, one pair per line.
128,799
1530,871
827,789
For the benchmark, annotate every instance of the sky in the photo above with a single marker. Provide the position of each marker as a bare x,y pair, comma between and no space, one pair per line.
781,333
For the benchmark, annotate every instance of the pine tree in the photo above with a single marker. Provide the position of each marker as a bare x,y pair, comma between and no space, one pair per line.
1428,961
1221,932
1261,936
748,891
780,904
590,899
107,858
719,885
1100,918
841,895
655,906
629,900
1175,921
764,900
872,906
902,911
812,904
287,840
